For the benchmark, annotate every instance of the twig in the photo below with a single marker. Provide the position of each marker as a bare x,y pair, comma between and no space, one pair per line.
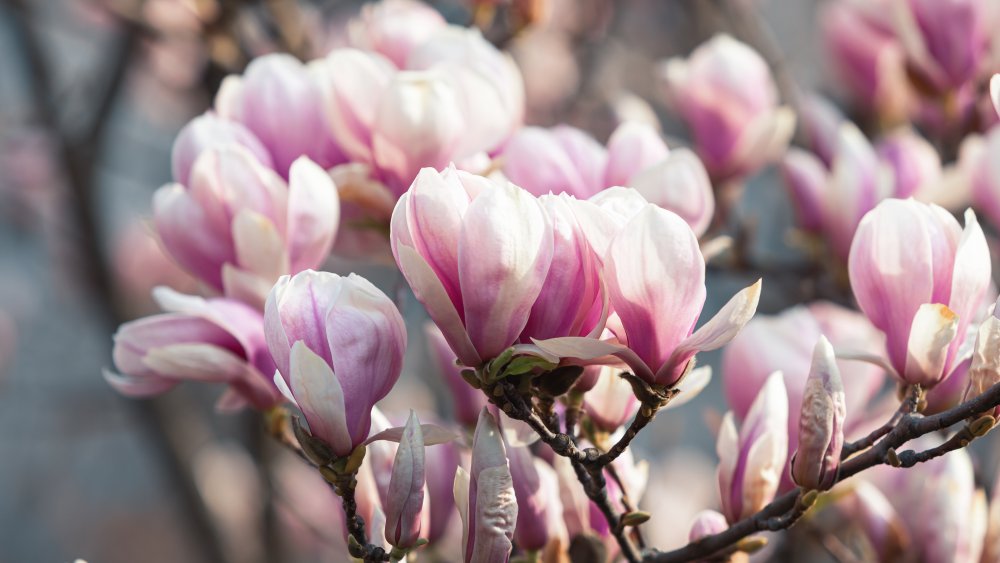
909,405
910,426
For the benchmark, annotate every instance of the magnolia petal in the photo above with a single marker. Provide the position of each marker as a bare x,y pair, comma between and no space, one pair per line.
586,349
933,329
690,386
245,286
195,361
460,490
498,292
313,214
717,332
995,92
727,448
868,358
432,435
429,291
260,248
318,393
132,386
496,516
230,402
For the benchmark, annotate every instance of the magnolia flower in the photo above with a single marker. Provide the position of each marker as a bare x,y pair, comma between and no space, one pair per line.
338,343
485,497
237,226
725,93
751,462
978,165
567,160
279,100
611,402
944,40
656,280
213,340
405,500
476,273
821,423
427,113
868,60
883,529
920,279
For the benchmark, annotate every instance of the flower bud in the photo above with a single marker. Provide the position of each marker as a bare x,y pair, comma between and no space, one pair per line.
563,159
707,523
405,499
920,279
213,340
485,497
237,226
821,423
725,93
805,177
632,148
751,462
338,343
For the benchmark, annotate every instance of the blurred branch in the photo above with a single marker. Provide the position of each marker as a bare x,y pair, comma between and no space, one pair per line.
80,154
786,509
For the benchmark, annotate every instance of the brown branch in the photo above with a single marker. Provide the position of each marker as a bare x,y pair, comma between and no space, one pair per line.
909,427
909,405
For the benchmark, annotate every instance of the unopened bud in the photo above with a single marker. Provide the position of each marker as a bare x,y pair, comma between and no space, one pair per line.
821,424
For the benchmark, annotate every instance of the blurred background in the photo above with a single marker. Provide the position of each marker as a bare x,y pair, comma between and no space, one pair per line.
93,93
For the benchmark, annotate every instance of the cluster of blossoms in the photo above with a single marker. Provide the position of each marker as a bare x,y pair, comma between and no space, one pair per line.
566,283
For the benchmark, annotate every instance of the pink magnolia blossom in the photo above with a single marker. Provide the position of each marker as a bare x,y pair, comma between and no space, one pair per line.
706,523
984,369
725,93
211,340
656,280
821,423
477,275
338,344
237,226
211,131
567,160
920,279
485,497
751,461
867,58
539,510
944,40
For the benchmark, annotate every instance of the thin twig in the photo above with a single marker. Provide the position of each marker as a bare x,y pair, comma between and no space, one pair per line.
909,405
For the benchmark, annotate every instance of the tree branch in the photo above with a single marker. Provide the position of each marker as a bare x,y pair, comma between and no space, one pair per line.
775,516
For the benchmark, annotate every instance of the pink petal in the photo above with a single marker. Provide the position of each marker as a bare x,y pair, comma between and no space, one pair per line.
632,148
320,397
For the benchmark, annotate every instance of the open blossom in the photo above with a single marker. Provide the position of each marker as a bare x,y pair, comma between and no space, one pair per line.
425,112
751,461
821,423
565,159
210,340
920,278
485,497
211,131
237,226
477,274
338,344
725,93
656,280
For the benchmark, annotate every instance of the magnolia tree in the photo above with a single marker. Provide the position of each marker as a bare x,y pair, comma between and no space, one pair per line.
565,282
